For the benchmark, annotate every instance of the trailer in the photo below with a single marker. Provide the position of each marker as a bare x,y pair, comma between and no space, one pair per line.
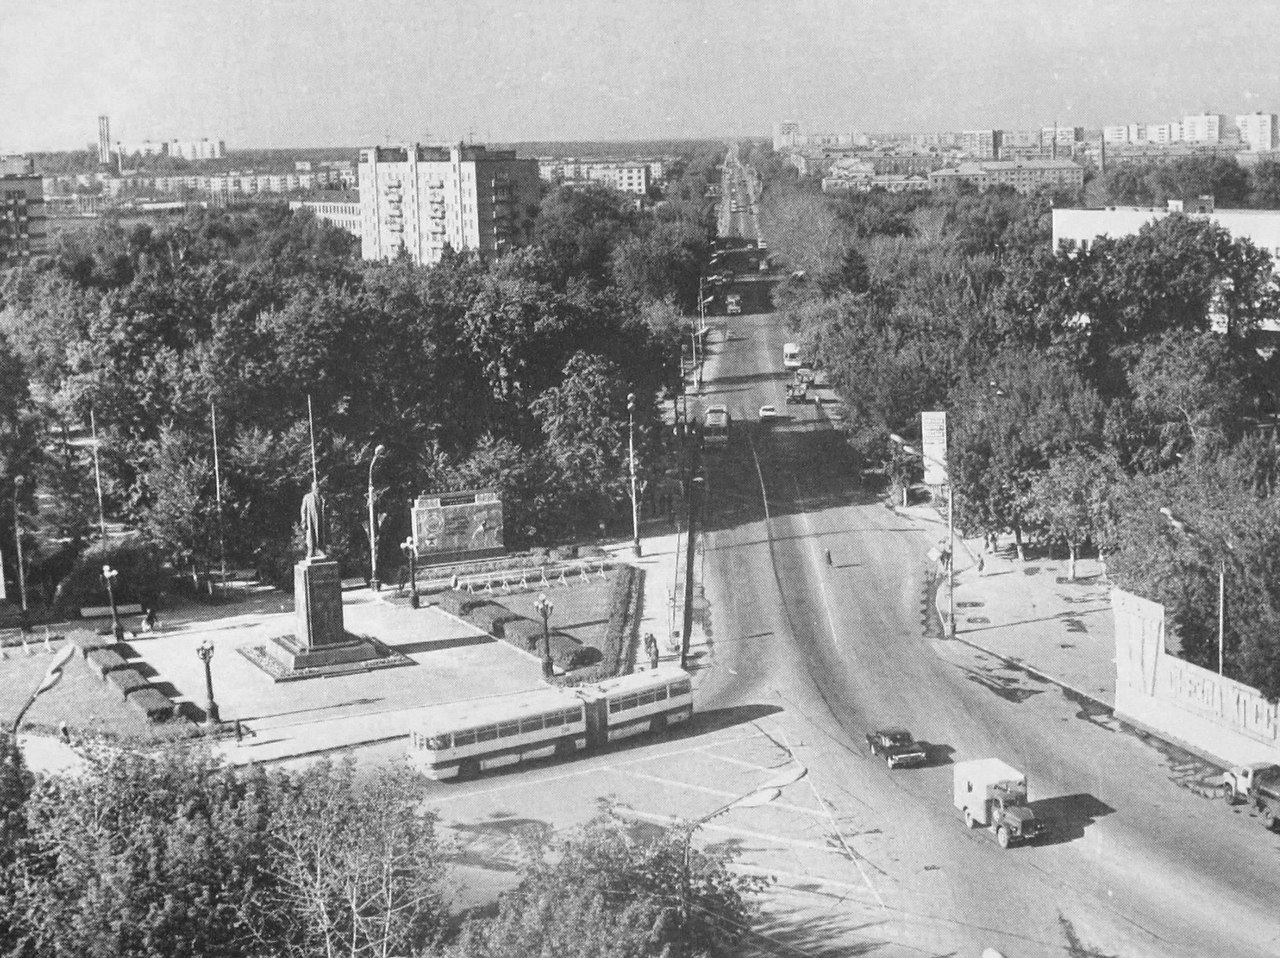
993,794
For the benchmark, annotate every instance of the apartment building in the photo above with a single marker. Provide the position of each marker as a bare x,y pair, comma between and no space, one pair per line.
1204,128
983,144
22,220
421,199
202,149
1258,131
1025,176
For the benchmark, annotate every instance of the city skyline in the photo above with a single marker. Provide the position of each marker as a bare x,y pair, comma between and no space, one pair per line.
324,73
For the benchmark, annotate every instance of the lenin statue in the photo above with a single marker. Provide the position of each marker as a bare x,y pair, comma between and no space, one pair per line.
314,522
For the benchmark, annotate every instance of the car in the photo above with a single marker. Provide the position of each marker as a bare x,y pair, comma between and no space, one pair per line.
768,412
837,413
897,746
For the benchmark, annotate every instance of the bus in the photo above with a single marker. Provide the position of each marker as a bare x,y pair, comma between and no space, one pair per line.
715,426
463,739
791,356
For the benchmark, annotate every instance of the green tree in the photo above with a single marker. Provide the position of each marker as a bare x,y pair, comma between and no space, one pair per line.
1068,502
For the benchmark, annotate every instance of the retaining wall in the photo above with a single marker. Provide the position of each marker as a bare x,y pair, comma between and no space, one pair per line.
1182,702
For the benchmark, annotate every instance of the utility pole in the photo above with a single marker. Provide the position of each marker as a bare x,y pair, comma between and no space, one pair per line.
694,489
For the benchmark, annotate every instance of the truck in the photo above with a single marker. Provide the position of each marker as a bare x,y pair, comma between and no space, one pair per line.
1258,784
733,304
993,794
791,356
797,393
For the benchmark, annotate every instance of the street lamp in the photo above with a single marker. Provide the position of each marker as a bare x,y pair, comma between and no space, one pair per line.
373,523
951,529
631,448
17,537
109,576
544,608
408,549
1186,530
205,651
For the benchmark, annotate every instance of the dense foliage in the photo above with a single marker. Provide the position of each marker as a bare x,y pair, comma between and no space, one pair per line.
1086,387
509,373
143,856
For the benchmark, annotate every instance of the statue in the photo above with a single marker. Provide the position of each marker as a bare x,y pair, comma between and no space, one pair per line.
314,522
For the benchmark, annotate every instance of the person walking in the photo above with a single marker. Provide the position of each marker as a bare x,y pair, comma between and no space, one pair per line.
829,563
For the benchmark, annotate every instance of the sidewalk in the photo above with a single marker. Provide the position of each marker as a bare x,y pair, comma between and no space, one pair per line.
1030,612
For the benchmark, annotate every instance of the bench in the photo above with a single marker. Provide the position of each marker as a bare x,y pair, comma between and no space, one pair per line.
102,611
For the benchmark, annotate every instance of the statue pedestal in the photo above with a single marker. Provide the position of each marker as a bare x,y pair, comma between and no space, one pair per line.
317,601
320,644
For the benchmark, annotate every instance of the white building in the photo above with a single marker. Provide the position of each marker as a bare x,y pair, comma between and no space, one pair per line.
343,214
420,199
1203,128
1164,133
1258,131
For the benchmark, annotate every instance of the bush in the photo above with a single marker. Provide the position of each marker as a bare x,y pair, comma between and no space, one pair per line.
141,576
87,642
618,654
127,681
104,660
157,706
455,603
523,633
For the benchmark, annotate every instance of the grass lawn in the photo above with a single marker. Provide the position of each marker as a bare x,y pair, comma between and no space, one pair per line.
581,610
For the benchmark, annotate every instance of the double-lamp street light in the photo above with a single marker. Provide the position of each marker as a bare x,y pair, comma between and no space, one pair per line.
951,529
109,576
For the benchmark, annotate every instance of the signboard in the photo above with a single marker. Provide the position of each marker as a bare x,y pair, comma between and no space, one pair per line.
933,442
457,525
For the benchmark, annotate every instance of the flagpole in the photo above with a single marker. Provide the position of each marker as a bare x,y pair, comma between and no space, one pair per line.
97,477
311,427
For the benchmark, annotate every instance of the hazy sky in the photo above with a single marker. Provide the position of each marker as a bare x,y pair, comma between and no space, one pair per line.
351,72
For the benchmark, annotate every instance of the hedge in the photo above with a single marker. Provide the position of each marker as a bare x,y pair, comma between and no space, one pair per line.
87,642
105,661
490,617
128,680
523,633
620,633
157,706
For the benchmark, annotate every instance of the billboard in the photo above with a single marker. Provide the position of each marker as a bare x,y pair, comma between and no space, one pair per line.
450,526
933,442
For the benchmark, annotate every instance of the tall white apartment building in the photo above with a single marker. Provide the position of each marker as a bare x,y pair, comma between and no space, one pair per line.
1164,133
1258,131
1203,128
422,198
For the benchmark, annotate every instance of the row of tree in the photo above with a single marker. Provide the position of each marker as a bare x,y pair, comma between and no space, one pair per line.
141,856
1087,388
510,373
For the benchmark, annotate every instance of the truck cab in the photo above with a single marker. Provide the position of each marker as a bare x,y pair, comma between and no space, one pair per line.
1257,783
733,304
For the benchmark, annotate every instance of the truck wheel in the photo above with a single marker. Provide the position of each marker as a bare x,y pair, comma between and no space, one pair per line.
969,820
1229,794
1002,836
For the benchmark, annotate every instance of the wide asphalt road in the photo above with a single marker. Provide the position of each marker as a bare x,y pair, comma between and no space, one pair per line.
1134,865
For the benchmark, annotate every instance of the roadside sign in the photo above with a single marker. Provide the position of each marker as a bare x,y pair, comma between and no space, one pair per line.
933,440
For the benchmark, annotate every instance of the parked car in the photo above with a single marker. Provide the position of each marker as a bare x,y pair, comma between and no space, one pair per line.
898,747
768,412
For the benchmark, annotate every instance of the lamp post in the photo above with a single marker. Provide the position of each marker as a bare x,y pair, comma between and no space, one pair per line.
205,651
631,459
544,608
408,549
1186,530
109,576
373,523
951,530
17,539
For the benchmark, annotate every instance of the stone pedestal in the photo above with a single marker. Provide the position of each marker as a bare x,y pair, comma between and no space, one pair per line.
317,601
320,644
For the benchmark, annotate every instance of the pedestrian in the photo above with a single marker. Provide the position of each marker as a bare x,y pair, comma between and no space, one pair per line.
981,564
64,732
453,582
651,646
150,621
828,553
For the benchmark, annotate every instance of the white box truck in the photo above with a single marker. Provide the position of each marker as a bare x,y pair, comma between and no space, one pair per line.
993,794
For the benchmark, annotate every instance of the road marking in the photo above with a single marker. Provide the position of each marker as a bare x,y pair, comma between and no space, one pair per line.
720,792
589,769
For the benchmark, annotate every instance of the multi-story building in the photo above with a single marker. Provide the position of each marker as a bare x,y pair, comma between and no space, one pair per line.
104,139
785,136
1203,128
22,222
983,144
1164,133
421,199
343,213
202,149
1258,131
1025,176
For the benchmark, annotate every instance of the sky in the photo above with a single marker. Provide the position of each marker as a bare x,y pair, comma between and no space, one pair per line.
280,73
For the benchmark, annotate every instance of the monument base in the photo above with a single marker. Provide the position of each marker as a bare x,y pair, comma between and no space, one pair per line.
286,660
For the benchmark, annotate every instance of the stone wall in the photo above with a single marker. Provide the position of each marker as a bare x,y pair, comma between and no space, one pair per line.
1183,702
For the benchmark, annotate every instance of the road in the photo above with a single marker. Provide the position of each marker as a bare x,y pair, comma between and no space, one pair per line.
1136,865
801,660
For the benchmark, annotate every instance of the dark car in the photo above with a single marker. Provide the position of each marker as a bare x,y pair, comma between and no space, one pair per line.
898,747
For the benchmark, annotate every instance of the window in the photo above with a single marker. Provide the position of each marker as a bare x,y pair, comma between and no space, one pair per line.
531,724
507,729
681,687
487,734
438,743
464,738
554,719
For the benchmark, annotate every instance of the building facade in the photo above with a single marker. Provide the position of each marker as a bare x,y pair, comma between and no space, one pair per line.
420,199
1258,131
104,139
626,176
22,220
983,144
1025,176
344,214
